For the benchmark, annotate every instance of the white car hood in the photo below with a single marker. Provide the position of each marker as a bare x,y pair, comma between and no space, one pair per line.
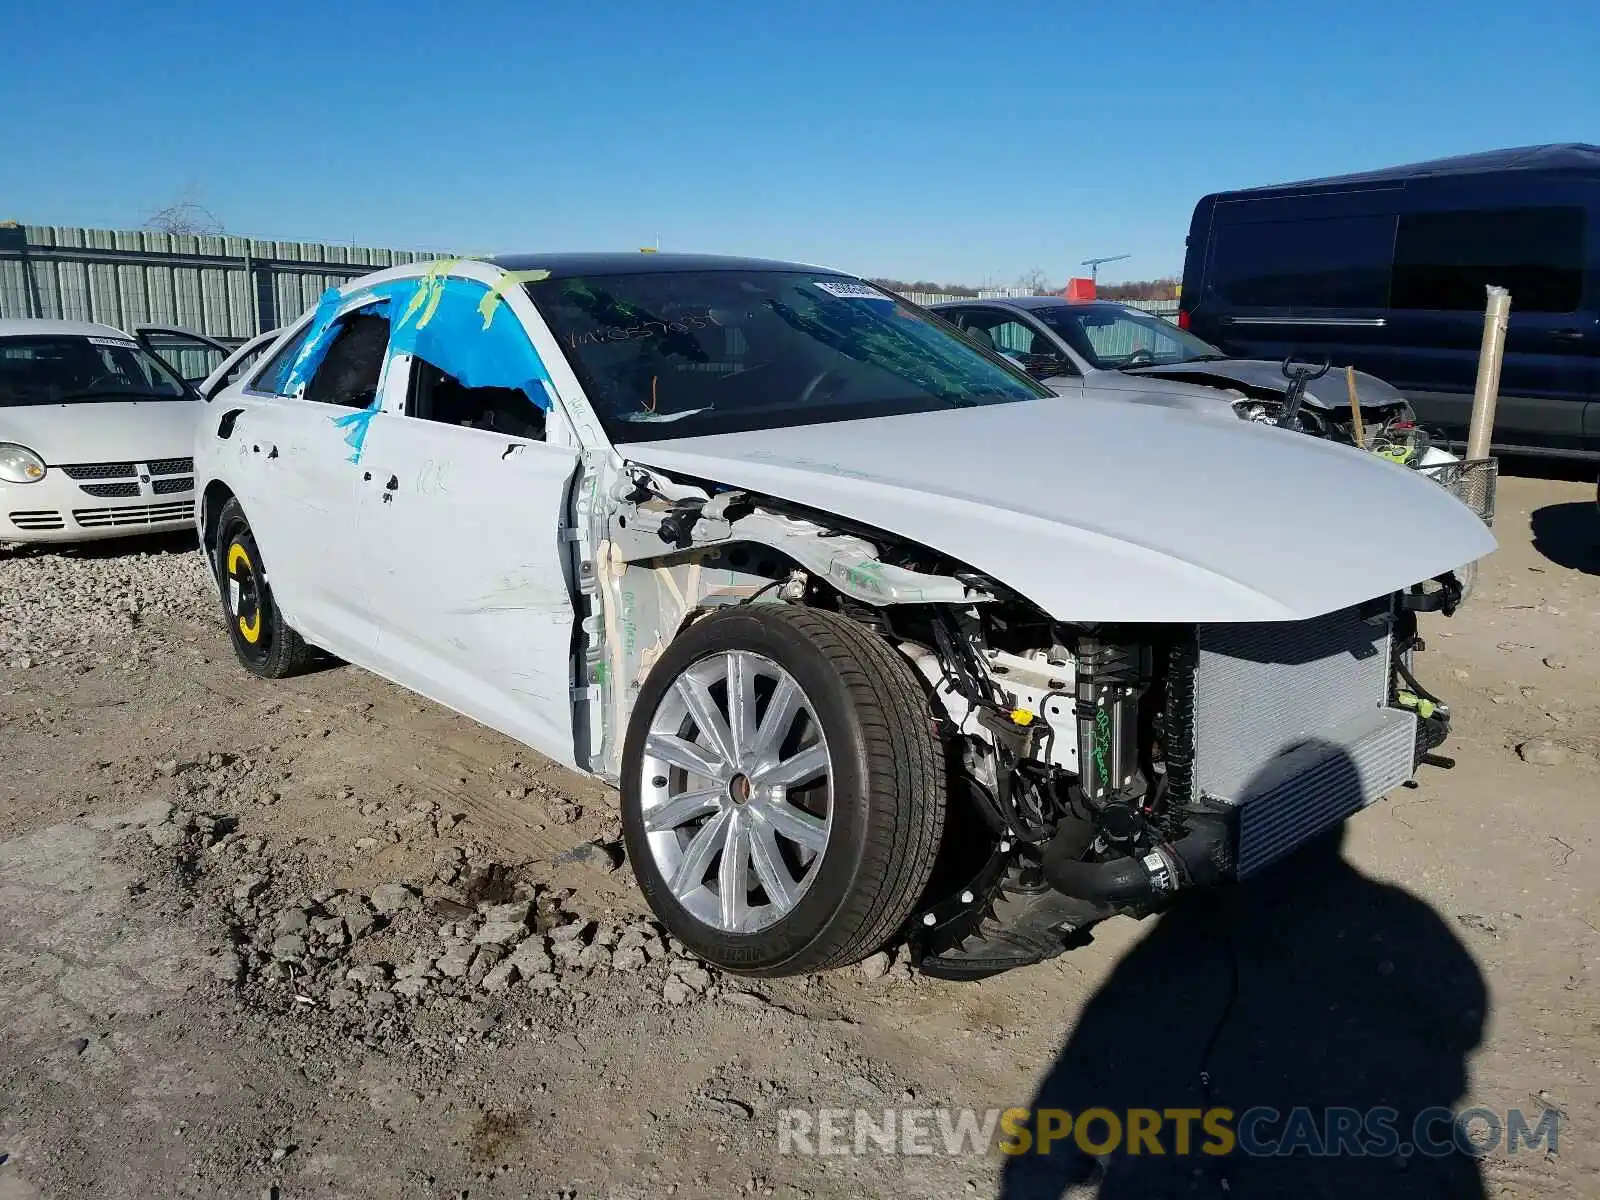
1159,393
124,431
1100,510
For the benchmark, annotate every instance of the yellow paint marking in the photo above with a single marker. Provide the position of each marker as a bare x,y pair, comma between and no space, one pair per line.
250,630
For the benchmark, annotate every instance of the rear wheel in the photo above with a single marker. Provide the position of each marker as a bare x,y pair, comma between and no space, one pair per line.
263,641
782,790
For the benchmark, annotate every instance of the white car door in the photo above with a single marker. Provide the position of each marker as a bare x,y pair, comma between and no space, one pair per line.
301,480
463,544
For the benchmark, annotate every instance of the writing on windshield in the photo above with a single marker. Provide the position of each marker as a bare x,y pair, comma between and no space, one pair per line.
667,354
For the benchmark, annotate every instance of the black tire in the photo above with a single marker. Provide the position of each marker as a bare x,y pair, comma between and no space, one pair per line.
263,641
888,789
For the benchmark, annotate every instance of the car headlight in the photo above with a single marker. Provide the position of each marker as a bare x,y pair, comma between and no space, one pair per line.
18,464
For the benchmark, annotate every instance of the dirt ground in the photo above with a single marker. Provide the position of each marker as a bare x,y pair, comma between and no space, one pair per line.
194,863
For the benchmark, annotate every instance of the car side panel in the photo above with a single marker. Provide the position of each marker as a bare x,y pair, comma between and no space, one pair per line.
463,547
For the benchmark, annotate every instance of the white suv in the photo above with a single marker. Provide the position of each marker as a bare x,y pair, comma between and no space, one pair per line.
876,637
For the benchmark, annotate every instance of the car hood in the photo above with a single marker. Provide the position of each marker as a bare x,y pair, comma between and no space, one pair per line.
123,431
1159,393
1100,510
1260,375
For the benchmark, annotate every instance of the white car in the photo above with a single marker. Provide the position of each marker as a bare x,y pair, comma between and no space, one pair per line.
96,435
876,637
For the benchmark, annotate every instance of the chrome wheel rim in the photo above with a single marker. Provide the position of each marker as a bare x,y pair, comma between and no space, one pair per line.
736,790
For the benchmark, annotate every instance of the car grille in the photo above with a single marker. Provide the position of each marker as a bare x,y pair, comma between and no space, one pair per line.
171,466
37,519
134,514
177,483
108,490
1293,727
98,470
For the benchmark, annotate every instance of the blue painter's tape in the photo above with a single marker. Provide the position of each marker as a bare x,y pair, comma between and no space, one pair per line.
355,426
448,331
318,338
438,319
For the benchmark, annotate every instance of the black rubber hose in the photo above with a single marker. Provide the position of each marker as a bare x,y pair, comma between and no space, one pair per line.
1203,854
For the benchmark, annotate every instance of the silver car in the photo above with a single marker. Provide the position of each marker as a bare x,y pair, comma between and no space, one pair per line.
1072,345
96,435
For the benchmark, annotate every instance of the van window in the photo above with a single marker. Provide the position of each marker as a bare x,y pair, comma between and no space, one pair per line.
1331,262
1443,260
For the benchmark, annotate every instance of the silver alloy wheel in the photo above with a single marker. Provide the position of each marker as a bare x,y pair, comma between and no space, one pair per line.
736,774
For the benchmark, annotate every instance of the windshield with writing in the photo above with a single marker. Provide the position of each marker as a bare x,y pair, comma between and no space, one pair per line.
73,369
669,354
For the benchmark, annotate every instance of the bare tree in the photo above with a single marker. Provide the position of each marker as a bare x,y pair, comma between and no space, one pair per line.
1037,282
1141,289
186,215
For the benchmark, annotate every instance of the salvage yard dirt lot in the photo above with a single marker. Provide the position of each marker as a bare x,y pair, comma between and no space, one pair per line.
322,938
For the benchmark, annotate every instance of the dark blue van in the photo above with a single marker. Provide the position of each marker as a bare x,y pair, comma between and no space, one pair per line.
1386,270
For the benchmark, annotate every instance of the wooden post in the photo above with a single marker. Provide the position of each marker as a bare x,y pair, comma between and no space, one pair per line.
1355,407
1486,394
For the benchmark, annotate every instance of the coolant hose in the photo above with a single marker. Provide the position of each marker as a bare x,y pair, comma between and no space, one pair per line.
1201,855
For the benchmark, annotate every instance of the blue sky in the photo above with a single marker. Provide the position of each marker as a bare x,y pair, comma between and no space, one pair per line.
948,140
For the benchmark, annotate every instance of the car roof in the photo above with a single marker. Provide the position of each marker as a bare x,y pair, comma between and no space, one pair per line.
1034,303
566,266
40,326
1580,157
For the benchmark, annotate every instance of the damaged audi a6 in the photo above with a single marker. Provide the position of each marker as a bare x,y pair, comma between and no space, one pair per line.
878,640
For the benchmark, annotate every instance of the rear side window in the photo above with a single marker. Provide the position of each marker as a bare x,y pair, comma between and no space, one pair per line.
1329,262
1443,260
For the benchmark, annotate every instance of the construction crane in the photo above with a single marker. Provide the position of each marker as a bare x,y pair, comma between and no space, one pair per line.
1094,264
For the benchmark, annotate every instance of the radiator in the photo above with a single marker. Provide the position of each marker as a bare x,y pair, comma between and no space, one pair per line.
1292,726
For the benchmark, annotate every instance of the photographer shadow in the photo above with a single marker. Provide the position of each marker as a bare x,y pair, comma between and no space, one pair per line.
1309,986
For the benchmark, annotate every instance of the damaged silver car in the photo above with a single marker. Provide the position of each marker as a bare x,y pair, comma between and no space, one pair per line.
877,639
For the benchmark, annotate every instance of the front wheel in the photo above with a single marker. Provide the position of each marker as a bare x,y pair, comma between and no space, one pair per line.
782,790
263,641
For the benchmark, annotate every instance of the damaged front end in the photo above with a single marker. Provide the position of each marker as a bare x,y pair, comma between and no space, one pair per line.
1094,769
1198,754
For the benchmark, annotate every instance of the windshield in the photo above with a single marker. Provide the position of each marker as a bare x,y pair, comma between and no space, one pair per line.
1114,338
670,354
74,369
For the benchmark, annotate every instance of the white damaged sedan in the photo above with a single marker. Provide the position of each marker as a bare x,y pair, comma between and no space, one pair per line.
96,435
878,640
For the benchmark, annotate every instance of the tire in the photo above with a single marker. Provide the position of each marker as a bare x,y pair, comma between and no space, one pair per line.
853,849
263,641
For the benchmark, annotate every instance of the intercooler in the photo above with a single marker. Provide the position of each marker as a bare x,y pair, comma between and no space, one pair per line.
1292,726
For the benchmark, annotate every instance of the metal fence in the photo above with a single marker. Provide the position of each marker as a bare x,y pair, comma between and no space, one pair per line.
229,288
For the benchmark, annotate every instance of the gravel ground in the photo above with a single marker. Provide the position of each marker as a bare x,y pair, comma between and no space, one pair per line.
99,604
322,938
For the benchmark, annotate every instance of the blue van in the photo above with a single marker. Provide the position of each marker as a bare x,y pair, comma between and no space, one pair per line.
1386,270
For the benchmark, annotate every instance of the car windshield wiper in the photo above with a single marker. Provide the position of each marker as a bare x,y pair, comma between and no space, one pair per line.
1209,358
